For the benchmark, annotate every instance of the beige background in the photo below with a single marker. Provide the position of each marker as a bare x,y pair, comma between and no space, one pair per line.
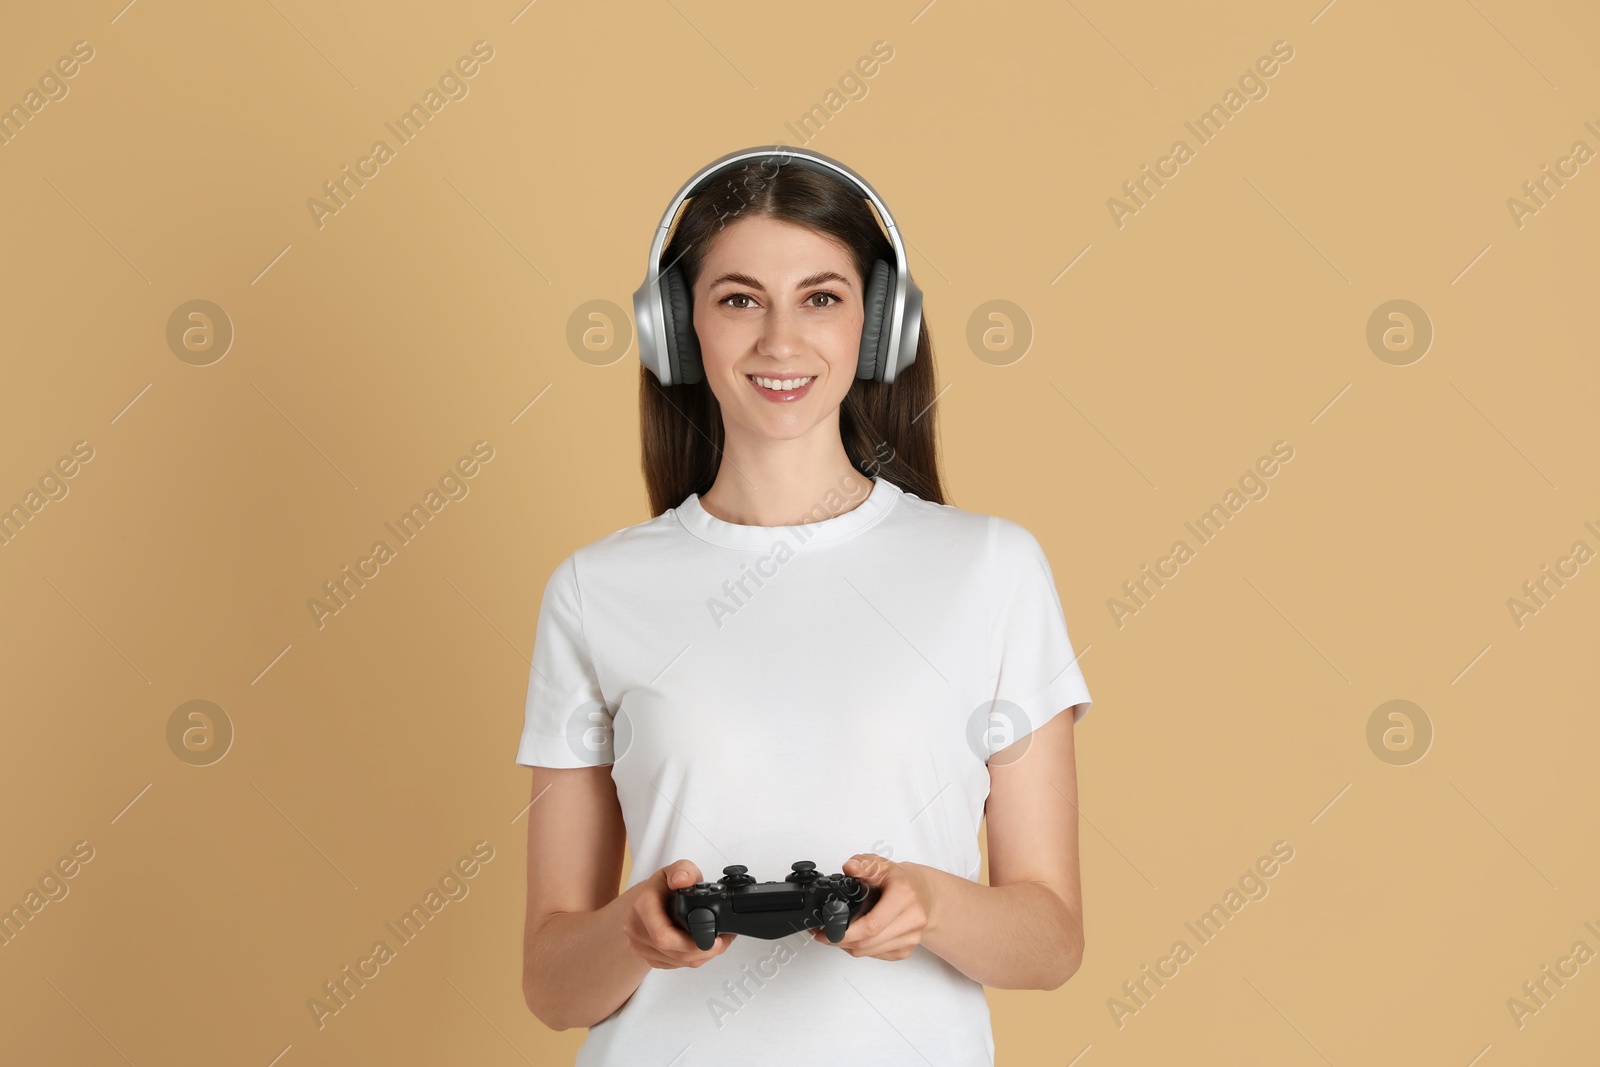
1229,313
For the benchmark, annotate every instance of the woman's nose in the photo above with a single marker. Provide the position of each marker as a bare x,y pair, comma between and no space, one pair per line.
781,332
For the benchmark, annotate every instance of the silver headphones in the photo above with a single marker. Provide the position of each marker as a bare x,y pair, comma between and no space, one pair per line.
663,306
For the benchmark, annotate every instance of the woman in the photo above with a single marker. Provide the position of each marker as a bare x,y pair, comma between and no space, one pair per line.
795,661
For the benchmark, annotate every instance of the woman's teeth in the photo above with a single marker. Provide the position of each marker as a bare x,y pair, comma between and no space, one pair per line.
781,384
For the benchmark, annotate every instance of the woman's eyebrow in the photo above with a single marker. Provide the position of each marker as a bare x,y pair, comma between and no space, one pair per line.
740,278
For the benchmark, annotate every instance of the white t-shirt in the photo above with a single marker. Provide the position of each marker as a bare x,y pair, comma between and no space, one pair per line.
767,694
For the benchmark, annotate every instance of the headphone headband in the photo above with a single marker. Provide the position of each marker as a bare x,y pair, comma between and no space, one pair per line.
654,342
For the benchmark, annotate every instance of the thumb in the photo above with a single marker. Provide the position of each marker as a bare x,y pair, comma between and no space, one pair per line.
680,874
869,867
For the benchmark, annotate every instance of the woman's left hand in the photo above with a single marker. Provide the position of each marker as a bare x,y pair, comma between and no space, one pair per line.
895,924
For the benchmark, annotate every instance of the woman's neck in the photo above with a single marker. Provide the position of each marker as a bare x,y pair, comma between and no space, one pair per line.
773,489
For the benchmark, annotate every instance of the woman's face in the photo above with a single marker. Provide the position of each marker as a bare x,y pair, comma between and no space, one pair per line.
781,303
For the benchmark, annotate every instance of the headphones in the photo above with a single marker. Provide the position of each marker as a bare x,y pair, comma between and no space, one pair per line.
664,309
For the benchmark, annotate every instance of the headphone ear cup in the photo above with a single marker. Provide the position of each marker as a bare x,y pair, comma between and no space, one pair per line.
683,346
874,321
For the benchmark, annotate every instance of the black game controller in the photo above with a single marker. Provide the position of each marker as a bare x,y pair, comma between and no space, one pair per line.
738,904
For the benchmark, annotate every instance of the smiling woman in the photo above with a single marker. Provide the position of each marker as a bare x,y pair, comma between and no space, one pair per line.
870,632
786,274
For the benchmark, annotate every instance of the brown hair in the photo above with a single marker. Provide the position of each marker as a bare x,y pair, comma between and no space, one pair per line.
886,428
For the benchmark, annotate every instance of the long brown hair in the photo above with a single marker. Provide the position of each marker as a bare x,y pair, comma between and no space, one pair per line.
886,428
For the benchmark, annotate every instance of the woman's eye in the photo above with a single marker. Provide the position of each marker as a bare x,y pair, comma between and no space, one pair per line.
728,300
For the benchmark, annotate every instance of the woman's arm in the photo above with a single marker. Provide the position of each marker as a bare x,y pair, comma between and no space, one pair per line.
586,947
1024,930
577,967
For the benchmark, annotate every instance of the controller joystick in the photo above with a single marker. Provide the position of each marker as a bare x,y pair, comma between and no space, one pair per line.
736,874
802,871
738,904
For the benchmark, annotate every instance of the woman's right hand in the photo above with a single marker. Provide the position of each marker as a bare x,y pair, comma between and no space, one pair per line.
651,933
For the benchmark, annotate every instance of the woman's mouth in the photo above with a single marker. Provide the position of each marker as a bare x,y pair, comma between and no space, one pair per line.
781,390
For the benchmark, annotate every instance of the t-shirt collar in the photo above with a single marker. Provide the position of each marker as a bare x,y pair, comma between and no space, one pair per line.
702,524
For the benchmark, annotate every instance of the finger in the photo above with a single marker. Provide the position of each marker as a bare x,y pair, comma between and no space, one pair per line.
896,951
890,906
693,956
657,919
898,947
640,941
643,944
646,930
718,947
869,867
669,937
852,940
668,960
902,926
656,956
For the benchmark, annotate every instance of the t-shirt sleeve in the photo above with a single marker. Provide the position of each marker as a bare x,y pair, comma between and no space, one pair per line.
566,722
1037,670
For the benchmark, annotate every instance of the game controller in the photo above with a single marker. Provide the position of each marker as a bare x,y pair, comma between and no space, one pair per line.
738,904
